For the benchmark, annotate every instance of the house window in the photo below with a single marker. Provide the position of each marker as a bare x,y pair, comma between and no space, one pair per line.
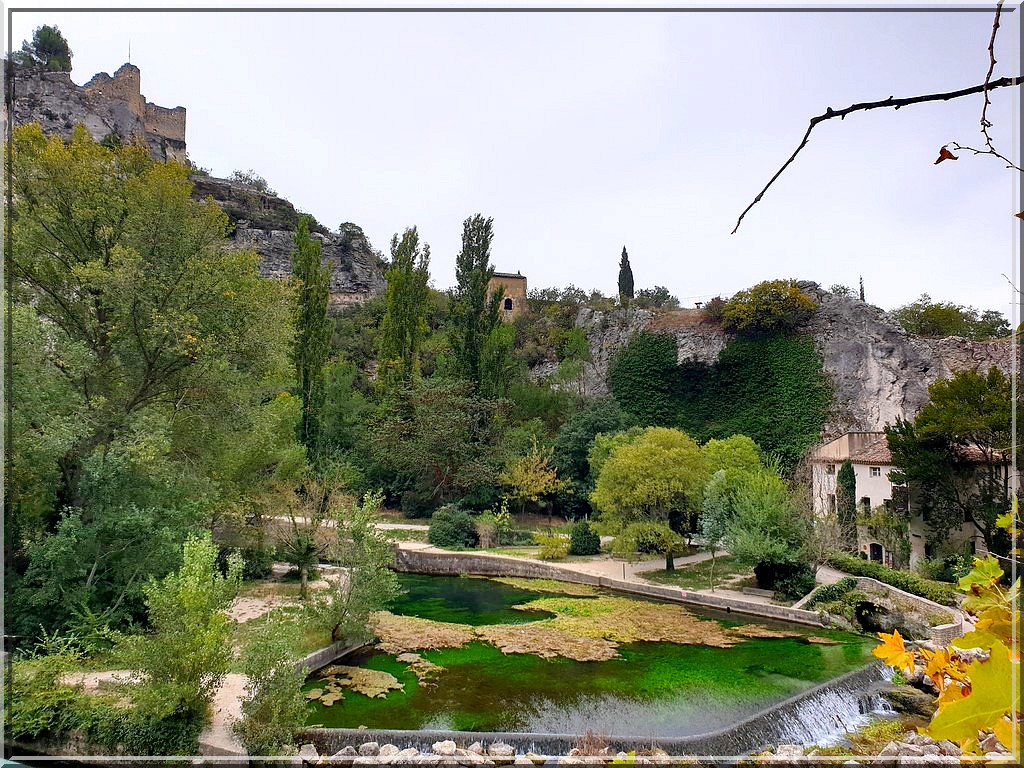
865,503
831,502
876,471
508,305
830,469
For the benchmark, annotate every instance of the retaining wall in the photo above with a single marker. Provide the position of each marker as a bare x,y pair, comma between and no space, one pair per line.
320,659
436,562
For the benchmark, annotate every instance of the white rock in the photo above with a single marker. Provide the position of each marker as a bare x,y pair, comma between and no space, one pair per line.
476,748
348,751
446,748
410,752
388,749
308,753
499,749
369,749
789,750
890,750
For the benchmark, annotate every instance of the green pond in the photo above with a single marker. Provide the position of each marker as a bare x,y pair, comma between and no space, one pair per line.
664,689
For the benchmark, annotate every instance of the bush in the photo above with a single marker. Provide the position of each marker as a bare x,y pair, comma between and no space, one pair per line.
769,306
796,583
552,547
486,528
827,593
416,504
273,707
584,540
452,528
712,310
257,562
931,590
645,539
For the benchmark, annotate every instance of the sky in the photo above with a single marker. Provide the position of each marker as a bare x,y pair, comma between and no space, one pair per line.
583,132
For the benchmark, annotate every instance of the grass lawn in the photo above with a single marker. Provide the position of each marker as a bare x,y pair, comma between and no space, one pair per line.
698,575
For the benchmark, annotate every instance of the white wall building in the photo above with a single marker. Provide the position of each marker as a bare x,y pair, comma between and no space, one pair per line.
868,452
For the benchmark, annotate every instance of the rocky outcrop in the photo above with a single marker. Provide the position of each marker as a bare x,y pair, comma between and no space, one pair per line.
107,106
878,372
266,224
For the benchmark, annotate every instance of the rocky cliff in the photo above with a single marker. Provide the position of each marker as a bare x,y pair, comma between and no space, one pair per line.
266,224
108,106
878,372
113,106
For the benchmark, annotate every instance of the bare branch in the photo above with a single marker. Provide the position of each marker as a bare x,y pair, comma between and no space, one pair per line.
963,148
985,124
864,106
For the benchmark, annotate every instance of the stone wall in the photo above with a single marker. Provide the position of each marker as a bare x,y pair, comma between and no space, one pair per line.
437,562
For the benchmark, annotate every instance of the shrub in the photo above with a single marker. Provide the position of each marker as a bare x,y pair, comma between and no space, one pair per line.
452,528
584,540
769,306
830,592
931,590
713,309
486,528
644,539
796,583
273,707
552,547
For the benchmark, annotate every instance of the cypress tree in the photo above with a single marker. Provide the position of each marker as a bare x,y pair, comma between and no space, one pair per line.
846,502
625,278
862,288
312,333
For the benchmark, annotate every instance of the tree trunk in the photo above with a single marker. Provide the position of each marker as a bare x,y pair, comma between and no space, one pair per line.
670,563
303,581
712,571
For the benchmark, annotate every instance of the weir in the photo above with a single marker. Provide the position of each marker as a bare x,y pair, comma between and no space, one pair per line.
823,714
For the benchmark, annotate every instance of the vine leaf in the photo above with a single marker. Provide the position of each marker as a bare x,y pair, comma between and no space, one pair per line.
961,720
945,154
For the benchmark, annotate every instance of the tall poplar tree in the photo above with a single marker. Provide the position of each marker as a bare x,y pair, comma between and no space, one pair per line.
473,315
404,325
312,333
625,278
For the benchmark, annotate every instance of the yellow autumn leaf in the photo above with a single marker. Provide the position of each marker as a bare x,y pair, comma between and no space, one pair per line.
893,652
992,696
1004,732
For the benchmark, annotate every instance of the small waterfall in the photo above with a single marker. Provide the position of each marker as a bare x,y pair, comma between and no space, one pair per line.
826,718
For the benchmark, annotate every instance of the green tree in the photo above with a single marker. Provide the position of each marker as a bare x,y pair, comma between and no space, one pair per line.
625,279
735,452
133,325
657,477
955,455
773,305
498,365
575,354
657,297
438,441
404,325
185,657
473,314
846,503
344,608
312,334
273,707
935,319
767,530
530,478
48,49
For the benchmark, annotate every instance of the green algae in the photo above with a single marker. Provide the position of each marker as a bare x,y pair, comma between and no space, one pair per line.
664,688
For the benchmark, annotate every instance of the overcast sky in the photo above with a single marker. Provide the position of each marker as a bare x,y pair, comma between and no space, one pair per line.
583,132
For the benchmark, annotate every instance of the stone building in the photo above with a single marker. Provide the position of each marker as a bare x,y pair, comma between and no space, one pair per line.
514,303
868,452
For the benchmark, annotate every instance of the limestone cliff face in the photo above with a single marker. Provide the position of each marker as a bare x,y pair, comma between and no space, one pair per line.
105,105
878,372
266,224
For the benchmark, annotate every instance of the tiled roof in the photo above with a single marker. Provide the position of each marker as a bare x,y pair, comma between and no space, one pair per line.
876,452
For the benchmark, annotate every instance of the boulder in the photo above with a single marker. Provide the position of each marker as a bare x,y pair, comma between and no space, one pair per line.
309,753
789,750
446,748
947,747
499,749
388,749
476,748
409,752
909,700
348,751
369,749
